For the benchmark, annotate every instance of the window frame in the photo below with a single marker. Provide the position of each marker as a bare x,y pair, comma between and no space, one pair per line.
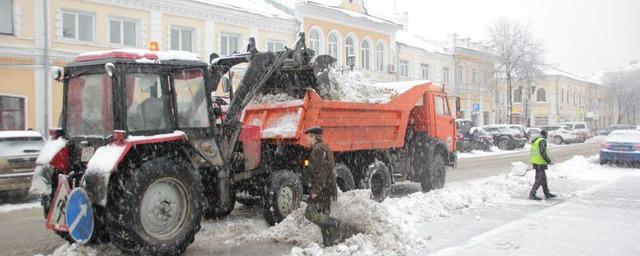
350,48
517,92
403,68
274,43
11,19
544,95
331,46
317,41
180,30
380,59
365,61
25,106
76,19
122,20
445,74
424,71
228,35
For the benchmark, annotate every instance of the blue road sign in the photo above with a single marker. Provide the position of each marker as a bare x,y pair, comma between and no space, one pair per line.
79,216
476,107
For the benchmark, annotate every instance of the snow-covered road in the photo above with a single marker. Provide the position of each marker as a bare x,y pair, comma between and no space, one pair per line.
597,212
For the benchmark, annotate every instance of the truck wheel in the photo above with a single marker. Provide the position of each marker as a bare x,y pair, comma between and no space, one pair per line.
283,195
378,180
344,178
437,173
156,208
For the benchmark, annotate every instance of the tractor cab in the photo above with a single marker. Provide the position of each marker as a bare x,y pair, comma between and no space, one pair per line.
113,94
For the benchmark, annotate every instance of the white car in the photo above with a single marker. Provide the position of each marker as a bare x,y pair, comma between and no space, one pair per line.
559,134
18,153
580,127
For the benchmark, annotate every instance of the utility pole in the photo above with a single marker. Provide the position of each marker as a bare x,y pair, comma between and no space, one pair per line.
47,81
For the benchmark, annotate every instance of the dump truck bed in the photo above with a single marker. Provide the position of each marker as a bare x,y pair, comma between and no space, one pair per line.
348,126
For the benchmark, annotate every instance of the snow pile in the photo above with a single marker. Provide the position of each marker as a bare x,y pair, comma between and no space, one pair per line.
383,234
76,249
271,98
353,87
14,207
105,158
40,184
580,167
285,126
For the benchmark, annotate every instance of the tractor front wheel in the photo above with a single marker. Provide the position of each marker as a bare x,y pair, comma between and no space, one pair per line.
283,195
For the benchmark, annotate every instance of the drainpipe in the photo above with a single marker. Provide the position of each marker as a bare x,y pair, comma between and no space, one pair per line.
47,82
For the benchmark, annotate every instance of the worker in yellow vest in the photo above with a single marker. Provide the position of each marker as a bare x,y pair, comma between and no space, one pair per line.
540,160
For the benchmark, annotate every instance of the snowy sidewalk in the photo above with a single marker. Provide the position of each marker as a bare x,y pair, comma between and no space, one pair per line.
602,221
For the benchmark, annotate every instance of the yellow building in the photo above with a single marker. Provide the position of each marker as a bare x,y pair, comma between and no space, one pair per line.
343,28
28,99
561,96
474,80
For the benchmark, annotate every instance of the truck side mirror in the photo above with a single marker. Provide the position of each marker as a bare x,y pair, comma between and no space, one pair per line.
110,69
458,112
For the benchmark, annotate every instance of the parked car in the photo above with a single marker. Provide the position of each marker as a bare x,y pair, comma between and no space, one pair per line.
464,126
560,134
505,137
621,147
478,139
580,127
609,129
520,129
533,133
18,153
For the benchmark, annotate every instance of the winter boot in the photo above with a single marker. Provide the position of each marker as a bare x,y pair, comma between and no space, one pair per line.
549,196
534,197
327,239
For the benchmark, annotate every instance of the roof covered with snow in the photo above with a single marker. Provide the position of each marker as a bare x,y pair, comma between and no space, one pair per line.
553,71
138,54
407,38
334,6
259,7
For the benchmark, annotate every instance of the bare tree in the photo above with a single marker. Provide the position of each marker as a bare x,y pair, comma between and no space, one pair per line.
518,55
625,86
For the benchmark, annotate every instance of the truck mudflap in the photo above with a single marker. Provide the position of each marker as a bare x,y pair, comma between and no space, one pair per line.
106,158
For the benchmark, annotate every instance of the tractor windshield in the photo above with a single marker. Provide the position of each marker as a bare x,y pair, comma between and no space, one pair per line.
89,110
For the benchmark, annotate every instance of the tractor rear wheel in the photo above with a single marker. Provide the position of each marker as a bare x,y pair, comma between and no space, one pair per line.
283,196
156,208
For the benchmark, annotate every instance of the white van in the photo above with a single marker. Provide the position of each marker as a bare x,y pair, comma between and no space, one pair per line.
581,128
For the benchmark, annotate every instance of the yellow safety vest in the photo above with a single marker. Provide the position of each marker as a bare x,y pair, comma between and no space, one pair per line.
536,157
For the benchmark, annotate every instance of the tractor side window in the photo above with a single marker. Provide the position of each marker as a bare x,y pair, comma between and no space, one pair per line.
145,105
190,98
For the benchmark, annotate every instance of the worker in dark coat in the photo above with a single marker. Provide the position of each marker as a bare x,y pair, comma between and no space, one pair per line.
540,160
323,189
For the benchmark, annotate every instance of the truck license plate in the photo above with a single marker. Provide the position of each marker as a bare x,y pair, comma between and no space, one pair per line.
87,153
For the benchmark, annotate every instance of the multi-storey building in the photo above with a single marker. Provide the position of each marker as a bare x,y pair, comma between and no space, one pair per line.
37,34
560,96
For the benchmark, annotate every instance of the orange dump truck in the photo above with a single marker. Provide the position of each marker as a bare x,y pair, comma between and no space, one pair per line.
410,137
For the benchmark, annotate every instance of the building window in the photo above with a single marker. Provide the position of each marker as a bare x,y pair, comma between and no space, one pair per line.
182,39
275,45
474,76
380,57
517,95
485,80
460,74
314,41
77,26
6,17
333,45
349,48
365,55
562,95
403,68
11,113
229,43
541,95
123,32
445,75
424,71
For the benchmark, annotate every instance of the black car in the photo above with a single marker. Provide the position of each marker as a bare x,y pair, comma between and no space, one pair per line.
504,137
